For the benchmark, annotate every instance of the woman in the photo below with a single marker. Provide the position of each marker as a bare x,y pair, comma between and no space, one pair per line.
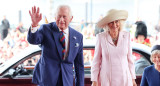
113,63
151,74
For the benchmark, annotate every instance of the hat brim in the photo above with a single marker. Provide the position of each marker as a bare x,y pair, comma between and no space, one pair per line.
112,16
156,47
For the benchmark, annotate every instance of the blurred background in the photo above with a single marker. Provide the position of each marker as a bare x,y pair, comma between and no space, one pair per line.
15,19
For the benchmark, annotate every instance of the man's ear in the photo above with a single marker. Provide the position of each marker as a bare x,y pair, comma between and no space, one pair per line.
71,18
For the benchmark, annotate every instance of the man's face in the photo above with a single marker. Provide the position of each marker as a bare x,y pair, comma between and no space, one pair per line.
63,18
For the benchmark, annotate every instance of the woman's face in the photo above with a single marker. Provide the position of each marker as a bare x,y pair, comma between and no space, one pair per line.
156,59
114,26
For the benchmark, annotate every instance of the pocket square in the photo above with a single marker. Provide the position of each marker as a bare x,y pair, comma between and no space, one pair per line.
77,45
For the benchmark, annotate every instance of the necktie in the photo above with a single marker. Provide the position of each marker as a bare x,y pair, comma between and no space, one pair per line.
62,40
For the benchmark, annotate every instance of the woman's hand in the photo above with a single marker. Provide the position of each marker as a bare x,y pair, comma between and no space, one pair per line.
134,82
94,83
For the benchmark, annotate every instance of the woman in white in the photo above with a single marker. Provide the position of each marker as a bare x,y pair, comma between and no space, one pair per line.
113,62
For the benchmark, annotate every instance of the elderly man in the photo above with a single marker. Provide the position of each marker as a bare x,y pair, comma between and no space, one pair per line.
62,47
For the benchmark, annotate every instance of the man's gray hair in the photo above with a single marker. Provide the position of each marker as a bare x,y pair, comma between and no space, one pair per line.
64,6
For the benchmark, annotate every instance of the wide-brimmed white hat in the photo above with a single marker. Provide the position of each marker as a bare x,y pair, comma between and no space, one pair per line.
112,15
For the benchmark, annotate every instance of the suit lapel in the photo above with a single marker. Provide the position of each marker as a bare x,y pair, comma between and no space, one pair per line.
56,35
71,41
120,38
109,39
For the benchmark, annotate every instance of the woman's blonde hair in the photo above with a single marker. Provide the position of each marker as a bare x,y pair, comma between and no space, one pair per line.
122,22
155,52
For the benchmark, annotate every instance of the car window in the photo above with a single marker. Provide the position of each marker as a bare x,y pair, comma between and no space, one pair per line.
32,61
140,62
25,67
88,56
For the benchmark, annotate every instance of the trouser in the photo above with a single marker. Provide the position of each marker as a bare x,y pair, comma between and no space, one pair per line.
4,34
59,82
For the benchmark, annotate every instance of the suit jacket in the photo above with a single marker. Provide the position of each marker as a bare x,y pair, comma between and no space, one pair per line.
113,65
46,72
150,76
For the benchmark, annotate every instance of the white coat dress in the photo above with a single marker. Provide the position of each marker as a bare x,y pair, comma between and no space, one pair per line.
113,65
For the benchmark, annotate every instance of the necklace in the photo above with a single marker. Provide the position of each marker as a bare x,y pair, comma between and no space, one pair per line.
115,40
114,37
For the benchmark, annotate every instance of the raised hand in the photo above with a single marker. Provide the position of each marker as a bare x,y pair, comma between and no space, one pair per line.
35,16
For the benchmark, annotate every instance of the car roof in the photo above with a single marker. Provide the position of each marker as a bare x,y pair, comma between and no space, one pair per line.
141,47
18,57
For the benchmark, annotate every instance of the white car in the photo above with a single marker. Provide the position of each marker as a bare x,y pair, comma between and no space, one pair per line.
19,69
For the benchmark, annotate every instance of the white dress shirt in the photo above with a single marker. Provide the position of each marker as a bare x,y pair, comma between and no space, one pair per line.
66,34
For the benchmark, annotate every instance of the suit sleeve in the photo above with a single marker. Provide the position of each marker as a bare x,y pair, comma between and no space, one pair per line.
96,63
144,80
36,37
130,59
79,66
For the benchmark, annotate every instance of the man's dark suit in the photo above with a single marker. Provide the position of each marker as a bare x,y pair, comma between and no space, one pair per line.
48,68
